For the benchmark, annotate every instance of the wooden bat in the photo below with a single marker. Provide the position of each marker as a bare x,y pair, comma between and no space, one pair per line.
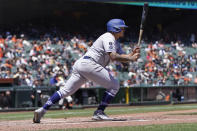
143,19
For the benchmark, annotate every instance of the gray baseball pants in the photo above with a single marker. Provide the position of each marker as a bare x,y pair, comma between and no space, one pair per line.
87,69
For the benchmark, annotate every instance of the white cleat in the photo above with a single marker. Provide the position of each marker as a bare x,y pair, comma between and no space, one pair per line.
99,115
38,114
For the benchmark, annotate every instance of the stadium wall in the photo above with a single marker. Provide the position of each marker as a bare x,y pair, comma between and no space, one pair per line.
90,97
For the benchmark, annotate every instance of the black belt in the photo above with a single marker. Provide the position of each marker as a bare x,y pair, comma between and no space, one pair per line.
87,57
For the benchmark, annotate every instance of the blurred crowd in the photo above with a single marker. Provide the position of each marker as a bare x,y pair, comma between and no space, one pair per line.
36,61
48,57
164,64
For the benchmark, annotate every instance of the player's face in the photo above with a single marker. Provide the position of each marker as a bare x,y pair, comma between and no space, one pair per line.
122,32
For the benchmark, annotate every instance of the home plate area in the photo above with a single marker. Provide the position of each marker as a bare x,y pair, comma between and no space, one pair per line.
150,118
87,120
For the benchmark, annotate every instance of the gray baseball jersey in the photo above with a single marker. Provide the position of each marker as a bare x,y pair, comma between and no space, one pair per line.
101,47
92,67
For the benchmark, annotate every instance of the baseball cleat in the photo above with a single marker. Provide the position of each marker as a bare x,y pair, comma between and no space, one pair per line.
38,114
99,115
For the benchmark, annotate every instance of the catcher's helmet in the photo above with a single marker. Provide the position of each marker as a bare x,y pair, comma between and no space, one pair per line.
114,25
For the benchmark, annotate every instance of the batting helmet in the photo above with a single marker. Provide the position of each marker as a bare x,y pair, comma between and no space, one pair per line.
114,25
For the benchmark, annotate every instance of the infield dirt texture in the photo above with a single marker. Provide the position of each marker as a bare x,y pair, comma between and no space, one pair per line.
168,116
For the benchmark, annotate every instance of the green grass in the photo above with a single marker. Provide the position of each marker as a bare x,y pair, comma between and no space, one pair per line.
169,127
89,112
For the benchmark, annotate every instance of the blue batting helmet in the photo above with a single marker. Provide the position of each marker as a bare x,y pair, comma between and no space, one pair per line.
114,25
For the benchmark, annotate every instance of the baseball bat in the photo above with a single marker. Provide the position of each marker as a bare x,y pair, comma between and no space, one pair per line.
143,19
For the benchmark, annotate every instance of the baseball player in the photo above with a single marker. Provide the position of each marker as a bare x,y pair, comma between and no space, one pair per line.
61,83
91,66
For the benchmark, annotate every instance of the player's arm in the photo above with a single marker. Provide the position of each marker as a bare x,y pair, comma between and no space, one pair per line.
110,47
133,56
124,57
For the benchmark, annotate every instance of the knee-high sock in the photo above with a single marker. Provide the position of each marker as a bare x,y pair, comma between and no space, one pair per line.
53,99
107,98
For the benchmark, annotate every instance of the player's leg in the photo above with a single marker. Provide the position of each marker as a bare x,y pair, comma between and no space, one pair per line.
71,86
101,76
106,80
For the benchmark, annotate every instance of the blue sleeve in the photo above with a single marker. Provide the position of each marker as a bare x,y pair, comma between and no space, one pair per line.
119,49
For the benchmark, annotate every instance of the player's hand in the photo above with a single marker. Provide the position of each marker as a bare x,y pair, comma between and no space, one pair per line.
134,57
136,49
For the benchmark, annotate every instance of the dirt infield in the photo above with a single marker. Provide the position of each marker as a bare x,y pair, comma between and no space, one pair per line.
86,122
